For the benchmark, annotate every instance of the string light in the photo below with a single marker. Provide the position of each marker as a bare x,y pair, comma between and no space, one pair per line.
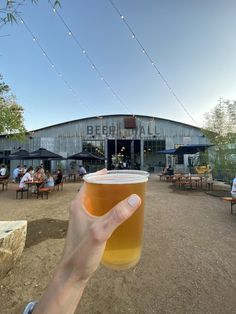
151,61
52,65
89,59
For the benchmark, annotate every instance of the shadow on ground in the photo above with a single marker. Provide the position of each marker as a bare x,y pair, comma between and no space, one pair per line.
188,190
219,193
43,229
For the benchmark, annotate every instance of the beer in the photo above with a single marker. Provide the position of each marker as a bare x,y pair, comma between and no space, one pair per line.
123,248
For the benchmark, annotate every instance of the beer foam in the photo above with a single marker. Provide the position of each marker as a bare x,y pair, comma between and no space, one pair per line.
117,177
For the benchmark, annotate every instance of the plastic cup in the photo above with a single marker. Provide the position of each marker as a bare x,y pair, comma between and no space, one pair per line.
123,248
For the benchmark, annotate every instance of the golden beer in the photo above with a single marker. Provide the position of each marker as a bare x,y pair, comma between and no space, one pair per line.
123,249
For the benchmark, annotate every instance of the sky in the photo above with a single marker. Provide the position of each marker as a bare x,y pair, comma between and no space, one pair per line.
191,43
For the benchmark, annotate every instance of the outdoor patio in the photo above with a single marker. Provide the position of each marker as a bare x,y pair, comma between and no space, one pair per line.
187,265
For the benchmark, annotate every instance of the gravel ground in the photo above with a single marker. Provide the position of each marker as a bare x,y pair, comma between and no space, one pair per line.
187,265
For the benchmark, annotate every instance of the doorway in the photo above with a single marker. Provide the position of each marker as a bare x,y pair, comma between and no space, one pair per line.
123,154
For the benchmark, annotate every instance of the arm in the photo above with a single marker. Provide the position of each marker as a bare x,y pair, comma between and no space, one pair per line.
84,246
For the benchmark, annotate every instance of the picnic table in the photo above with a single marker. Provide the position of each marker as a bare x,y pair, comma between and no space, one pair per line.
232,202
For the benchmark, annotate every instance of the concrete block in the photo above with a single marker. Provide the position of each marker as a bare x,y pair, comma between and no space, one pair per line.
12,243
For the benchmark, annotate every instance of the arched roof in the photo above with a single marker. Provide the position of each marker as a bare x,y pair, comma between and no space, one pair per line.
113,116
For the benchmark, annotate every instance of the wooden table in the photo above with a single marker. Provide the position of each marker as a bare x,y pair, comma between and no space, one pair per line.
232,202
35,183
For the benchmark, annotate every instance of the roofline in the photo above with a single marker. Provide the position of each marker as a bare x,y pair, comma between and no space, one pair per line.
112,115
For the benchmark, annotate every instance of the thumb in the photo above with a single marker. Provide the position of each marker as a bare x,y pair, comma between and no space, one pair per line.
118,214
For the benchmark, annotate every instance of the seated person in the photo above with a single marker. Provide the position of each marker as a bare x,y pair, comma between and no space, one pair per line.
39,175
49,183
3,171
26,177
82,171
58,177
164,170
170,171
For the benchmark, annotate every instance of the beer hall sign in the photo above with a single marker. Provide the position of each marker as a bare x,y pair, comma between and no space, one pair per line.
148,129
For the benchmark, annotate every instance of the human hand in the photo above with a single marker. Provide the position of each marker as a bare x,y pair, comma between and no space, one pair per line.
87,234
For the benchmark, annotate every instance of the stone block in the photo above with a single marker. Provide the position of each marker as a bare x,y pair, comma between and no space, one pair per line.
12,243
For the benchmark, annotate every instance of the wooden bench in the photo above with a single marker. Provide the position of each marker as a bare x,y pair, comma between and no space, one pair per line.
209,185
4,184
42,192
232,202
21,191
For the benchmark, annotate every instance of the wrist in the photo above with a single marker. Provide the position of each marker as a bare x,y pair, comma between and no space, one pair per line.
66,274
63,294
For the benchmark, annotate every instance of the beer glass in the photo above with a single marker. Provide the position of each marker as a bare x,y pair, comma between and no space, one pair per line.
123,248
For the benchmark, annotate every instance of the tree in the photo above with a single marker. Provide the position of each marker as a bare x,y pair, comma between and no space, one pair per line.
220,129
11,113
9,12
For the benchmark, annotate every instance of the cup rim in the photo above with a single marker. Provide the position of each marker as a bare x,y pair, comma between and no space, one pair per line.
140,177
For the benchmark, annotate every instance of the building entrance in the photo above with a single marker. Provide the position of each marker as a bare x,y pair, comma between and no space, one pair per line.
123,154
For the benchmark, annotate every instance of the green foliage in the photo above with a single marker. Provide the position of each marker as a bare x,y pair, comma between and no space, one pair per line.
11,113
9,12
220,129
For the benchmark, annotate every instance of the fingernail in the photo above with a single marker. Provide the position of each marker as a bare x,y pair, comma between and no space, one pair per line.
133,200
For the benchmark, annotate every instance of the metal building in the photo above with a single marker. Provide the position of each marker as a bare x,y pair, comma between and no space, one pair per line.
124,141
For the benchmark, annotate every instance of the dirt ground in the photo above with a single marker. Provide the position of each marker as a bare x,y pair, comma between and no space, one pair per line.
188,263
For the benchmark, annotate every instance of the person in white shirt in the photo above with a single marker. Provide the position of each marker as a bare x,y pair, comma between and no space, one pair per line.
82,171
233,190
3,170
26,177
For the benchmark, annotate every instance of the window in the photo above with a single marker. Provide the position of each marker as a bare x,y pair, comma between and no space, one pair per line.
153,160
95,147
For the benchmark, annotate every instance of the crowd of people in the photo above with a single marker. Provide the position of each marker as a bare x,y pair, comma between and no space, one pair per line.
40,175
43,177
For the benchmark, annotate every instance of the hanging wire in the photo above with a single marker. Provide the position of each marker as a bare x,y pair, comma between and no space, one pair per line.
134,36
53,67
91,62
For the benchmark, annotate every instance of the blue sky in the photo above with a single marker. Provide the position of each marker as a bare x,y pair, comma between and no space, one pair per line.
191,42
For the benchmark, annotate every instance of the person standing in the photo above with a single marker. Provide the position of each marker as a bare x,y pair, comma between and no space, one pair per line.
233,190
16,174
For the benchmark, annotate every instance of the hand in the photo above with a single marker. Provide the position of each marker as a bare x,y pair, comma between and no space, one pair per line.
87,234
84,246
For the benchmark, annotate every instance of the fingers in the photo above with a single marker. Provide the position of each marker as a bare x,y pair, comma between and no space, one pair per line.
102,171
118,214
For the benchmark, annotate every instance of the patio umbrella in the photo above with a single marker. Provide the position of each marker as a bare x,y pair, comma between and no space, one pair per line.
21,154
185,149
44,154
192,148
167,151
85,156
